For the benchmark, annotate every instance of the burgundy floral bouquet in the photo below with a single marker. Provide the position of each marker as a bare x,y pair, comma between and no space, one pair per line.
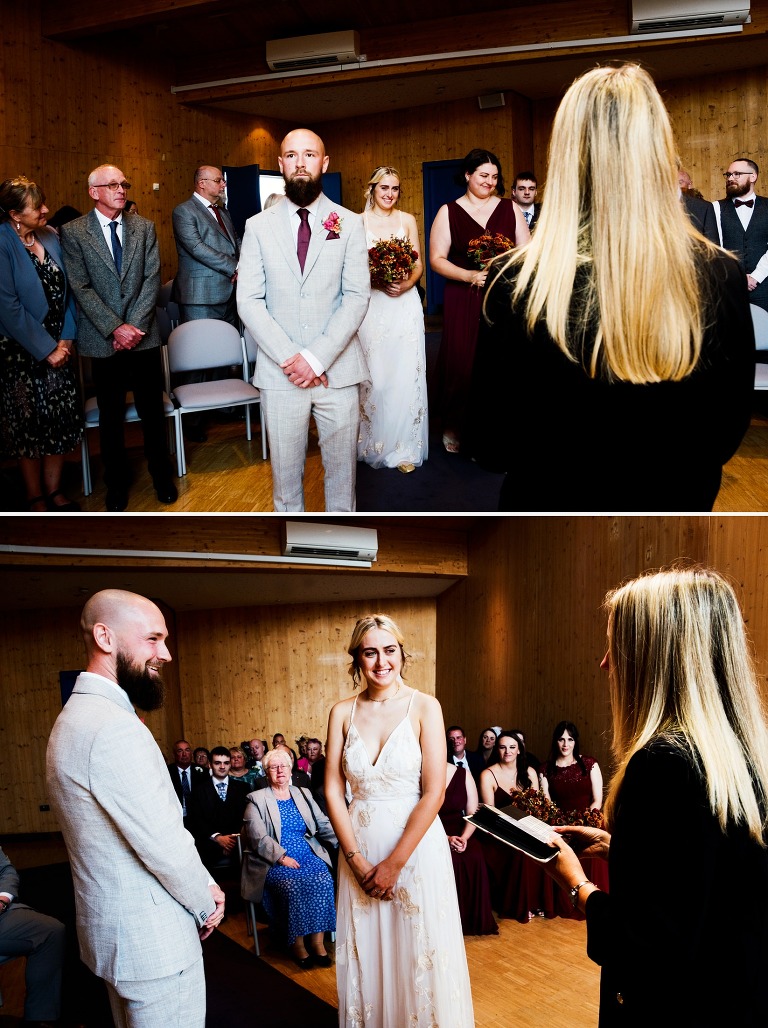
488,246
537,804
391,260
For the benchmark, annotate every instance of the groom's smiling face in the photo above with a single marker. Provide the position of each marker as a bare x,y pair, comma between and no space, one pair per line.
302,161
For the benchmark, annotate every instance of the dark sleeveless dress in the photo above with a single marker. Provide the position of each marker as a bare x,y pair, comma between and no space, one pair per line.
461,314
517,881
472,886
571,789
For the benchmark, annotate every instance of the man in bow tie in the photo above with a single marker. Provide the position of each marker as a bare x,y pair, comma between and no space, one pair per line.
744,223
303,290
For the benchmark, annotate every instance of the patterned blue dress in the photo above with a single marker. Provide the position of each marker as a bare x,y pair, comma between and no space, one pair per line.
298,901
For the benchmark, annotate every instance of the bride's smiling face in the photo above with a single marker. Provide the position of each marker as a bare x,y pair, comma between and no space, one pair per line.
386,193
381,660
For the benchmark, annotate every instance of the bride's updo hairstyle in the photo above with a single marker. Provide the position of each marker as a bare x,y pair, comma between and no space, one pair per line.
374,180
365,625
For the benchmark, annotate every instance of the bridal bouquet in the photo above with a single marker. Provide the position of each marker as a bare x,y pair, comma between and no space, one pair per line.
488,246
537,804
391,260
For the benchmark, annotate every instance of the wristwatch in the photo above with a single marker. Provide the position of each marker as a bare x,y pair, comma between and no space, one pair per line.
575,891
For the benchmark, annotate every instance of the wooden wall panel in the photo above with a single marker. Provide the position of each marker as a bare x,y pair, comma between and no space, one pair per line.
533,630
261,671
65,109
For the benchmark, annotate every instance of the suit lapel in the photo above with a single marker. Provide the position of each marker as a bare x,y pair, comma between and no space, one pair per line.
99,243
319,234
274,813
284,235
130,242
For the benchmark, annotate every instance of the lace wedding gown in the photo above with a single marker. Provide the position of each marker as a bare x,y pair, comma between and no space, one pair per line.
399,963
394,426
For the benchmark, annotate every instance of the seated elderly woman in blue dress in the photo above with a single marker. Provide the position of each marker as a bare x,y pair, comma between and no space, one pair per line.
286,868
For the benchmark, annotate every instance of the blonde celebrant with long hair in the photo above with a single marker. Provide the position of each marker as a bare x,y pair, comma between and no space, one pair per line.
394,424
400,956
683,936
619,340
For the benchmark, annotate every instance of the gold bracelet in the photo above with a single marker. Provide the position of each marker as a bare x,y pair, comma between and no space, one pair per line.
352,853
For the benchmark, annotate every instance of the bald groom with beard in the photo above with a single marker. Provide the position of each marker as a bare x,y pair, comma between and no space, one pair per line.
303,290
144,900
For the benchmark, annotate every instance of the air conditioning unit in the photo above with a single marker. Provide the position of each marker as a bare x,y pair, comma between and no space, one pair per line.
345,542
319,51
679,15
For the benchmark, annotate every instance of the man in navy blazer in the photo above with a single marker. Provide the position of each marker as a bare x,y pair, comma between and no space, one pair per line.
113,266
208,248
744,226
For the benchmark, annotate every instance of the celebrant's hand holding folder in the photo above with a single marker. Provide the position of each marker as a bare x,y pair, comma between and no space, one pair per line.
515,828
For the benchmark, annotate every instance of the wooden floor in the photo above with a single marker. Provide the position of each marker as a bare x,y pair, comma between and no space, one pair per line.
227,473
517,976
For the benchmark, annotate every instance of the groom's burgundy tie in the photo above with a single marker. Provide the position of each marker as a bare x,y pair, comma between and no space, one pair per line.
304,236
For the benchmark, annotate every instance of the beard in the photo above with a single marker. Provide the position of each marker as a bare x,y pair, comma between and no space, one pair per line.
302,191
734,188
144,691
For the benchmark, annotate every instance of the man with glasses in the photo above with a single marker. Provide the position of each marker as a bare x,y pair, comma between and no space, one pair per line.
743,222
208,248
113,266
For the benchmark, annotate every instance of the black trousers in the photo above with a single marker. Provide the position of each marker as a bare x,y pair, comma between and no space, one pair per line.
139,372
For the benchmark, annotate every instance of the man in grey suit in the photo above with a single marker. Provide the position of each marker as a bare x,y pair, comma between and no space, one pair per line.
208,249
144,899
26,933
303,290
113,267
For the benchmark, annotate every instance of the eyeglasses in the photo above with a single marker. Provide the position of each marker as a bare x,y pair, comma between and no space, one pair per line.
736,174
216,180
112,186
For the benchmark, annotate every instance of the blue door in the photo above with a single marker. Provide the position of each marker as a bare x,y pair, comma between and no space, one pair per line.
443,182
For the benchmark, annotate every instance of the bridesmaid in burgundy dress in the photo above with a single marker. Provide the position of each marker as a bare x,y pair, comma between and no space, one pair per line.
573,782
469,870
480,210
517,882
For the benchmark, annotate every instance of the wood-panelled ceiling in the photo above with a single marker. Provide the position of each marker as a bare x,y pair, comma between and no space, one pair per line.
210,43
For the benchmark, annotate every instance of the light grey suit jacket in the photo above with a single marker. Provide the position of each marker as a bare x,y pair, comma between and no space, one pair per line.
262,827
141,890
320,310
207,257
106,299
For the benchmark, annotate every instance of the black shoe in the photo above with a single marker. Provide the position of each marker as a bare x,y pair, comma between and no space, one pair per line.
166,492
304,962
321,960
195,433
117,499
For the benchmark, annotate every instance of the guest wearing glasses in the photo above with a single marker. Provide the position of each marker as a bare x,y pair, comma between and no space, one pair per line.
744,226
113,267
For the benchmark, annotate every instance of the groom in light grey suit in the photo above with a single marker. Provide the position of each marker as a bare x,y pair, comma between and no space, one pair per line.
303,290
143,898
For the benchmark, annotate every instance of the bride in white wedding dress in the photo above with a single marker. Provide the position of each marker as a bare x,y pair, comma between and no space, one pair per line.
394,425
400,958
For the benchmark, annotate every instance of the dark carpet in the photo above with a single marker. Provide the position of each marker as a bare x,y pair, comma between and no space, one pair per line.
445,482
241,989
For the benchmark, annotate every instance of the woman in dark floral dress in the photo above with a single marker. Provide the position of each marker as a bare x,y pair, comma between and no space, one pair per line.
40,417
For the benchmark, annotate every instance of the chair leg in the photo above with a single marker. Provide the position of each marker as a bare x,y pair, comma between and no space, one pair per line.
181,457
251,918
263,432
248,422
85,460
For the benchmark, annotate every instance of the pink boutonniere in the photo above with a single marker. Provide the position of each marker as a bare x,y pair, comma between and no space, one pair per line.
333,224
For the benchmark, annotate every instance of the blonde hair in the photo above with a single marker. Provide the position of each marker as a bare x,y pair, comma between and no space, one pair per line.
637,250
376,176
361,629
680,670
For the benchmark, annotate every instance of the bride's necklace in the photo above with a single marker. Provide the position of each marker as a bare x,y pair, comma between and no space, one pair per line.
386,698
373,211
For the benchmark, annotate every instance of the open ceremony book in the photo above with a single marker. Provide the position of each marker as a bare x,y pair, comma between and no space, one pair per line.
515,828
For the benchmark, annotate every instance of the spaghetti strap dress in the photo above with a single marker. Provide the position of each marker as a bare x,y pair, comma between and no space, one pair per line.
401,962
